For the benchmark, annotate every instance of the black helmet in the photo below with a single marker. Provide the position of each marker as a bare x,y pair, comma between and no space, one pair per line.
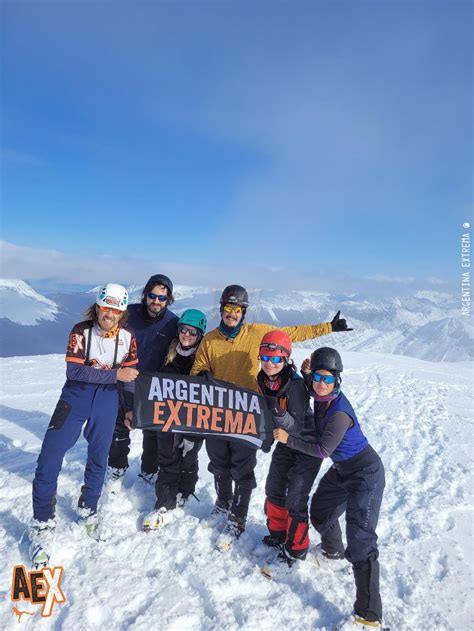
235,295
326,358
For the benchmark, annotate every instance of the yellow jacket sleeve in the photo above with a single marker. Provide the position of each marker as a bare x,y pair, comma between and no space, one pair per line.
304,332
202,361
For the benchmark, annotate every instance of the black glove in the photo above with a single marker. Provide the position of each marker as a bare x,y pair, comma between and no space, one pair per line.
339,324
278,412
273,406
207,375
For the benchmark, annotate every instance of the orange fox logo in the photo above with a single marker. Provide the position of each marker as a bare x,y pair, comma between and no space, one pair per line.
19,613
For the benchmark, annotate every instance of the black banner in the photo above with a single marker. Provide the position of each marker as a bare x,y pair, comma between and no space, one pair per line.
201,406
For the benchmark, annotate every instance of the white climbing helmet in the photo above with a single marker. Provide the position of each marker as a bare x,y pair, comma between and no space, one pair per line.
114,296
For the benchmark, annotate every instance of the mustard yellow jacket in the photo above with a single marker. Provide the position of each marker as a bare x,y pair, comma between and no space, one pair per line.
236,360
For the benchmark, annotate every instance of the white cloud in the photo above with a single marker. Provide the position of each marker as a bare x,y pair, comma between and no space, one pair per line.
40,264
67,269
64,268
434,280
385,278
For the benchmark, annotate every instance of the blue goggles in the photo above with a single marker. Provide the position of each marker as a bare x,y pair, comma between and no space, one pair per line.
153,296
271,358
327,379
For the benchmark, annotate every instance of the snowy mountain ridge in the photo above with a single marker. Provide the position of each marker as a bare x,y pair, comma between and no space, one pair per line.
427,324
23,305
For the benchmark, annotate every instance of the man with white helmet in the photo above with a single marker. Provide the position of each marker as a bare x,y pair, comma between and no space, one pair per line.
101,353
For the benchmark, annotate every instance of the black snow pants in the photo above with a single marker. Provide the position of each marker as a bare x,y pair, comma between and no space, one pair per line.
120,447
178,461
355,487
232,465
150,451
289,481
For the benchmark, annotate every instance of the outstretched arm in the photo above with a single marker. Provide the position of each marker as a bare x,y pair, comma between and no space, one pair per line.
303,332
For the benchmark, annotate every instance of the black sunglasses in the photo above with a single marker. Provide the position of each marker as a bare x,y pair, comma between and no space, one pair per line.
153,296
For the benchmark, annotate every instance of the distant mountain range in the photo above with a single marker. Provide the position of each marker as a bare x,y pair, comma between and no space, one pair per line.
426,325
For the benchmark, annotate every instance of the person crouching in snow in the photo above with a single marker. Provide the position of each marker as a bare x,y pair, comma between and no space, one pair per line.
101,352
177,454
292,473
353,485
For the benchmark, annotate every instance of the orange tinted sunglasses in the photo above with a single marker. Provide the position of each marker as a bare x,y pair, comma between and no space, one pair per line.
105,309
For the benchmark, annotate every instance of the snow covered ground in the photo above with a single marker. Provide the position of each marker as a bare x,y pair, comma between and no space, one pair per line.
418,415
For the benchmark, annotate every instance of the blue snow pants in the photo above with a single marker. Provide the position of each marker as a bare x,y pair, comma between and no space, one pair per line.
79,402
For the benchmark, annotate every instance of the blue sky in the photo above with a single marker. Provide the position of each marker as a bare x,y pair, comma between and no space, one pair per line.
306,144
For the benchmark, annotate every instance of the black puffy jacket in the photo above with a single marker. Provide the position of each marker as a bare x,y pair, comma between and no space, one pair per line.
292,410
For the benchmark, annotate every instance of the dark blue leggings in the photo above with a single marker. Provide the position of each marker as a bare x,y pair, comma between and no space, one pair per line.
79,402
